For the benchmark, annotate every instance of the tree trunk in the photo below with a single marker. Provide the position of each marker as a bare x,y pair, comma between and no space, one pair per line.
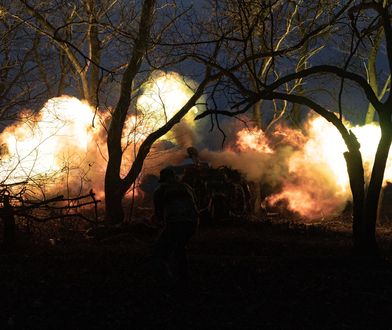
257,115
357,185
372,72
115,187
374,189
113,202
258,122
365,206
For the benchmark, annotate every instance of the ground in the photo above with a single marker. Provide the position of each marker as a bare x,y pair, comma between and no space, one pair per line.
264,275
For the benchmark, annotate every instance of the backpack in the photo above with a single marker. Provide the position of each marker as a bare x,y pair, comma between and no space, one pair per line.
179,203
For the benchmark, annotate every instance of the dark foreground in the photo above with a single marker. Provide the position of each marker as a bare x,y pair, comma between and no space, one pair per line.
244,276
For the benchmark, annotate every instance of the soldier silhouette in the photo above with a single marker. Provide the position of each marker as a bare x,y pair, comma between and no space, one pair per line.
176,209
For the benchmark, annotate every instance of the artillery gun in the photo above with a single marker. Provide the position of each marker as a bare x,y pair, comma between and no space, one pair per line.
222,193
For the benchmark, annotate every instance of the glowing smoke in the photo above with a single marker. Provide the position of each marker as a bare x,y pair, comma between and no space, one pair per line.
58,151
307,168
319,184
163,96
55,149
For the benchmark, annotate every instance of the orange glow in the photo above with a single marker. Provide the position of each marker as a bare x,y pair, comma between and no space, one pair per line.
164,94
58,151
306,169
53,149
318,184
253,139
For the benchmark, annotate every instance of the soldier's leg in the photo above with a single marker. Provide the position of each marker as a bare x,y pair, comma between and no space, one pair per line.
164,245
184,232
162,254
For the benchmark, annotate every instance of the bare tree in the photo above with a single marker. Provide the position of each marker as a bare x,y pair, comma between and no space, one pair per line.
18,69
76,33
361,23
97,43
374,77
268,28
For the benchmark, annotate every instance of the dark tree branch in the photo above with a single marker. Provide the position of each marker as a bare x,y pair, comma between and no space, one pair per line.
361,81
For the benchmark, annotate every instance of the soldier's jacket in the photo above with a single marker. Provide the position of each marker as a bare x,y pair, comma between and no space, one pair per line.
175,202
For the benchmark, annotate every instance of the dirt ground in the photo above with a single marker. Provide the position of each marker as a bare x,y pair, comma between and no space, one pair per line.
264,275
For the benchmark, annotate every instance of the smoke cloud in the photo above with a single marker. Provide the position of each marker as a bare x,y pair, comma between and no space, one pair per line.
58,151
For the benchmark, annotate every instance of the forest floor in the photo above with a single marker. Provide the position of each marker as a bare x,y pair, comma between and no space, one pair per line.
264,275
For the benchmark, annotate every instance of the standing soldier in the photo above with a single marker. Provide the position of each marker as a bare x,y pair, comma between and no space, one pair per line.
176,208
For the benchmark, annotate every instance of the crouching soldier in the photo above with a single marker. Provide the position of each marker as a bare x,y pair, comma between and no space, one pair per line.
176,208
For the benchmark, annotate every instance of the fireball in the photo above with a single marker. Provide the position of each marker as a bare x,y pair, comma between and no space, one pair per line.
318,183
163,96
306,169
43,143
57,149
253,139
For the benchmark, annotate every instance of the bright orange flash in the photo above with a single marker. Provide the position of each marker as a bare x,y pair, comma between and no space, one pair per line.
58,149
318,184
53,148
306,167
163,96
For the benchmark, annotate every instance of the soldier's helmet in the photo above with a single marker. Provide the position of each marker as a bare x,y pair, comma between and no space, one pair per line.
167,175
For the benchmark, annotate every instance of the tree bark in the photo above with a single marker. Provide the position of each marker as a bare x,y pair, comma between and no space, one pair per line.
372,73
114,190
113,203
375,186
357,185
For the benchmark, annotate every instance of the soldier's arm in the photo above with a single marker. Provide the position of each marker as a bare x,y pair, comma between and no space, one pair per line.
158,205
193,197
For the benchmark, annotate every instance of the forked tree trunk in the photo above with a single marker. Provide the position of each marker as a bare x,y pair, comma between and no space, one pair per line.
115,186
366,202
374,190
